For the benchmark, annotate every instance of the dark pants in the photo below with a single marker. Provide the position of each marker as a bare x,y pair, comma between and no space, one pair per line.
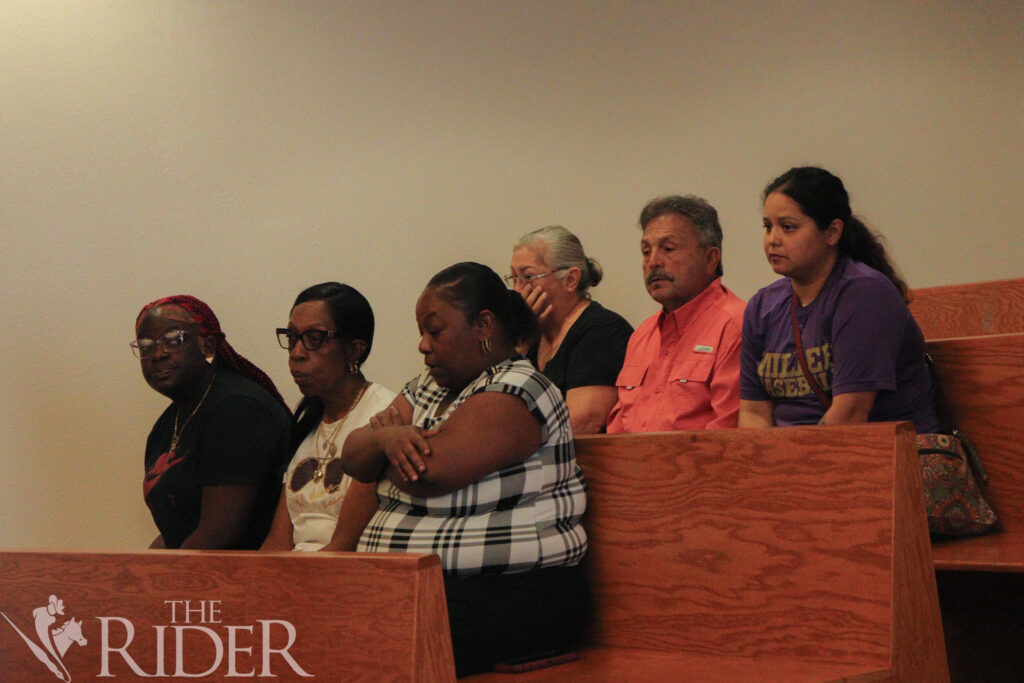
497,617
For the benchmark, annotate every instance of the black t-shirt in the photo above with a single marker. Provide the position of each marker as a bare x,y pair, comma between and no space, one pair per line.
592,352
239,436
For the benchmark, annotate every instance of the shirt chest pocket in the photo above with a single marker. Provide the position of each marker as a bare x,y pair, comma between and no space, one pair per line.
691,371
631,377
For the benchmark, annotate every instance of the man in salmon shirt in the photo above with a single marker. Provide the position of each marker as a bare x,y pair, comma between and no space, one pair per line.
682,367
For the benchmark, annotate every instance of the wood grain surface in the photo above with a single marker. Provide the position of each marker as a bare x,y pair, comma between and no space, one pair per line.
796,554
354,616
983,381
978,308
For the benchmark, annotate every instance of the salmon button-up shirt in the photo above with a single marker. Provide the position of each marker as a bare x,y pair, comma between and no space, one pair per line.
682,368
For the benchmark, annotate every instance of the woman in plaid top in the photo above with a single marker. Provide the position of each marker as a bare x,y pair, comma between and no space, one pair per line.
475,462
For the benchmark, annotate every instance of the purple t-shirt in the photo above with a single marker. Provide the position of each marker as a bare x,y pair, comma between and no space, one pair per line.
858,335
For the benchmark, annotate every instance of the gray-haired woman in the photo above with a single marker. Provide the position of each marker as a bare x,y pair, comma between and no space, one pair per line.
582,344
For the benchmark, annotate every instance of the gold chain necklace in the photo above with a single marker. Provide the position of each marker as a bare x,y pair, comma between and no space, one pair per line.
329,446
321,433
176,437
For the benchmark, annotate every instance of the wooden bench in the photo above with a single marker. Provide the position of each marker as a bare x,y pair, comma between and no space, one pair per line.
796,554
981,580
172,613
970,310
982,379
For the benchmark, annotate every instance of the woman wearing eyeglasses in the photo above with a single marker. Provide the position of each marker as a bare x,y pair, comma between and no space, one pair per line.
329,335
214,457
582,344
475,461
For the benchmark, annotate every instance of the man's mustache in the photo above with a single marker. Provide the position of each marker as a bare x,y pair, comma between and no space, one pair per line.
658,274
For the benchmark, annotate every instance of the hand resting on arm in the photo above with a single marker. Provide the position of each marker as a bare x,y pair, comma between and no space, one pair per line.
488,432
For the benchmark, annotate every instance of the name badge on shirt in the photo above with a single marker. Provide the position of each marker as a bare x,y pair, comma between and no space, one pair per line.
701,348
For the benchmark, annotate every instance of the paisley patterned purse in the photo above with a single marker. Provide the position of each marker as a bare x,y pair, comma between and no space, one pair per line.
950,472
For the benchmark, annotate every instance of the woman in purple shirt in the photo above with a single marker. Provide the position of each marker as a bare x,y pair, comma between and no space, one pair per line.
842,302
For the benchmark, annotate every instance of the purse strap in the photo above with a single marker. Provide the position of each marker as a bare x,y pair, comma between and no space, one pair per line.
945,415
947,423
826,399
941,406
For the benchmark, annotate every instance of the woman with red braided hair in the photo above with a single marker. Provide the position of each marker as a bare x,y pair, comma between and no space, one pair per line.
214,458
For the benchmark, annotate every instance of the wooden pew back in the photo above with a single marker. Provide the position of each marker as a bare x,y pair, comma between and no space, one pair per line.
983,381
333,616
968,310
796,554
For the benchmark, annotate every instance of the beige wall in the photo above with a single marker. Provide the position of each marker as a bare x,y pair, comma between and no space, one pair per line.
240,151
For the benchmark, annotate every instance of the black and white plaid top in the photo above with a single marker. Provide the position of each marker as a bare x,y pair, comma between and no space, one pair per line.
522,517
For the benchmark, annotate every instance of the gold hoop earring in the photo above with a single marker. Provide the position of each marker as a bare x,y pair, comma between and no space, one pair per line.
485,345
353,367
209,359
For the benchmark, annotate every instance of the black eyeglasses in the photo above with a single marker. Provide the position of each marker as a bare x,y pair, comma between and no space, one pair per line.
144,347
311,339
